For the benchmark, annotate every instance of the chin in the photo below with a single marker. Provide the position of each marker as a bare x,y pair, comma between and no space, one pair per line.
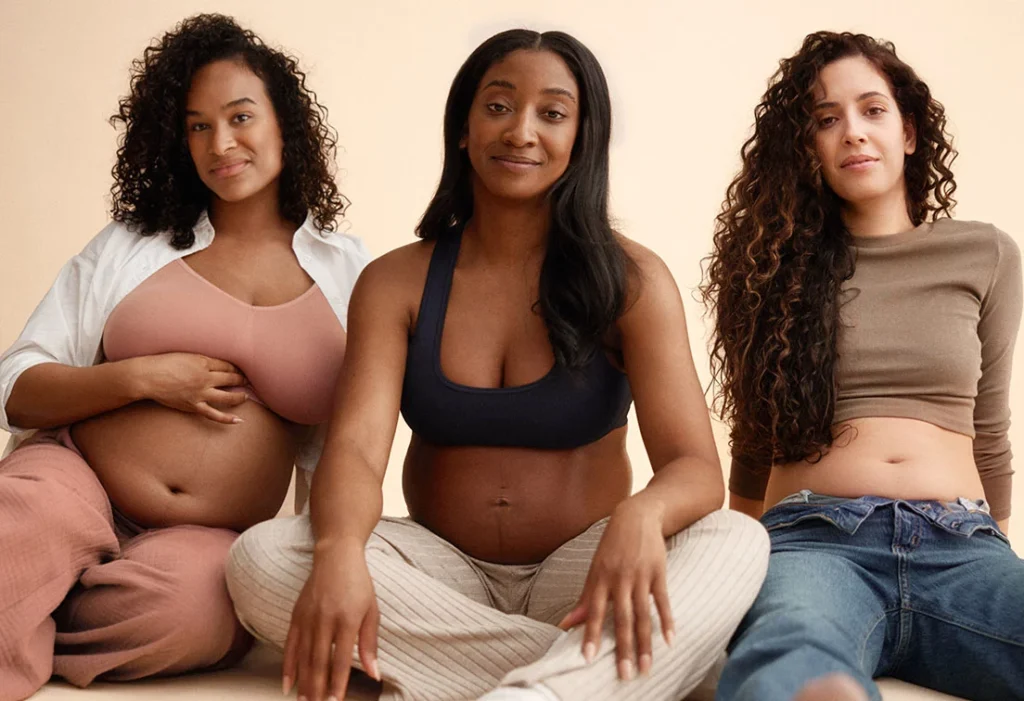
234,194
517,191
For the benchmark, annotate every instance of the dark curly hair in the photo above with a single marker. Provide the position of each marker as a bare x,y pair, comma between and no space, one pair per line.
156,187
586,272
781,255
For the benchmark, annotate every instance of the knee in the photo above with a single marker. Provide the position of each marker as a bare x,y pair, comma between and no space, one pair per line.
740,547
266,568
52,489
190,607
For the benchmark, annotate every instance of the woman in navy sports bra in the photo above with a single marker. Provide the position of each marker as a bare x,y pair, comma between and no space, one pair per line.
513,338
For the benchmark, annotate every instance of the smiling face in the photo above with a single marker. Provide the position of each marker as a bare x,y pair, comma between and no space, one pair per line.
522,125
233,134
861,138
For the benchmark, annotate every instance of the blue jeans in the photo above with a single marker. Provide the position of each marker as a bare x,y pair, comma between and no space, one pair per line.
923,591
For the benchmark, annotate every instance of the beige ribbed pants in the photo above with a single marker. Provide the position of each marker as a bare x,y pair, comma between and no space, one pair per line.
453,627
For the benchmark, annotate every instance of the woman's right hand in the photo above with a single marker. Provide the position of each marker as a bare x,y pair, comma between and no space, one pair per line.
337,608
191,383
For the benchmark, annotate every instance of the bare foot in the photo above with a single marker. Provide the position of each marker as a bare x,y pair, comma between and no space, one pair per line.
833,687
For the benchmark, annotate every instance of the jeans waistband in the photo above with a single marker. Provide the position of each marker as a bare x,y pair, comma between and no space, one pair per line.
962,516
806,496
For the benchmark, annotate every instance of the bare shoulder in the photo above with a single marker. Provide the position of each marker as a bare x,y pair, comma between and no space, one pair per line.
393,283
650,280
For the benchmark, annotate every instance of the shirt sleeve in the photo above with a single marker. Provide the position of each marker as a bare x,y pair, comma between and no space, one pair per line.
997,330
747,479
66,326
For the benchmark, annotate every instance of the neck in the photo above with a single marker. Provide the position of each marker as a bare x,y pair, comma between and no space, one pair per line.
884,216
501,231
255,217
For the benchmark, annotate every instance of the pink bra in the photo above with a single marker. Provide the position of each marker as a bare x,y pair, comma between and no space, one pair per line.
290,353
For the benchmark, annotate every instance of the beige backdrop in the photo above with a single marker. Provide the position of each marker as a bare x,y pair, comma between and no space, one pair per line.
684,78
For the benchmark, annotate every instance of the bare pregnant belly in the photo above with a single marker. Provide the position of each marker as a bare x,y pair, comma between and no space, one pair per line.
163,467
514,505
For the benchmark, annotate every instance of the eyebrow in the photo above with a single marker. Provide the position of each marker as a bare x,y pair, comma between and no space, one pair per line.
233,103
499,83
863,96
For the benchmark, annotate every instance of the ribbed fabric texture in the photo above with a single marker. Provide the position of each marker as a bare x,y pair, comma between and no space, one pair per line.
454,628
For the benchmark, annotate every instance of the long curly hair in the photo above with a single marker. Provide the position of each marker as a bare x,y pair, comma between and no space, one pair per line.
781,255
156,187
586,271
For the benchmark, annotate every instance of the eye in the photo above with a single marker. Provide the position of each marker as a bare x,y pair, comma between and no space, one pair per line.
826,122
197,127
554,115
875,110
242,117
497,108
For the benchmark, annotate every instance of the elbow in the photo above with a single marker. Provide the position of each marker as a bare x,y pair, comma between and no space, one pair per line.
17,418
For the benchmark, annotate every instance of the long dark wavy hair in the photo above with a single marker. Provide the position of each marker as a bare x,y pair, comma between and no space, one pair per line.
156,187
781,254
583,279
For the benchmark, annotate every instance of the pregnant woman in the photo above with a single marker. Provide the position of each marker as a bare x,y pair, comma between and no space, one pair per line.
513,339
178,368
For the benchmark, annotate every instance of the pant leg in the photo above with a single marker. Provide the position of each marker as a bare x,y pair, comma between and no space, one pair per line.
714,571
439,636
162,608
966,598
55,522
822,609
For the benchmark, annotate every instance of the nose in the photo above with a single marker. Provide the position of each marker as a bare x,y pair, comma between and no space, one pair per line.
521,132
222,141
854,132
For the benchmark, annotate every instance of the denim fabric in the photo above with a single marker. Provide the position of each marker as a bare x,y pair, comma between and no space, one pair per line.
924,591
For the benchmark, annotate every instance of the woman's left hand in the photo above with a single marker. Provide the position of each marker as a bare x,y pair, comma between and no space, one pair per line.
627,570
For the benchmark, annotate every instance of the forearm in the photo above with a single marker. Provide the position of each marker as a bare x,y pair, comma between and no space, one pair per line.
681,493
346,498
51,394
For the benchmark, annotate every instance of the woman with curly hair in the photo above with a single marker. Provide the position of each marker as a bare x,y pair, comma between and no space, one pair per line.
862,348
178,368
513,339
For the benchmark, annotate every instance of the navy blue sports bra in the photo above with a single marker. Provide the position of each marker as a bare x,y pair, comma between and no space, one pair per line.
557,412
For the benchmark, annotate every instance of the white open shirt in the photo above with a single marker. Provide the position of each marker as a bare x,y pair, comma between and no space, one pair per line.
67,326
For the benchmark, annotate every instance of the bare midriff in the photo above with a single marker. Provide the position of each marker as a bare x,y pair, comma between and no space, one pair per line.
888,457
163,467
514,505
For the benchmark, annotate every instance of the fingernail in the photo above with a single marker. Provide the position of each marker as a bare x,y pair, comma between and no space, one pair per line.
237,420
645,664
332,698
286,685
626,670
373,670
303,698
670,637
589,650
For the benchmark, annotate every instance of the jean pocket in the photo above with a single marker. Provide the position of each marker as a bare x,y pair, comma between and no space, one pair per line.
847,515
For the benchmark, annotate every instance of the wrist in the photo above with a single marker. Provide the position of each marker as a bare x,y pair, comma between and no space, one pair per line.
132,379
338,546
642,505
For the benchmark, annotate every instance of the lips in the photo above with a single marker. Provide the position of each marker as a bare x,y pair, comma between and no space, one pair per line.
858,160
517,160
226,170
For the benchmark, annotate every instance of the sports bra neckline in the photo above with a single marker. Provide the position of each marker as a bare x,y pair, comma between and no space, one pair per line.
311,290
455,241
